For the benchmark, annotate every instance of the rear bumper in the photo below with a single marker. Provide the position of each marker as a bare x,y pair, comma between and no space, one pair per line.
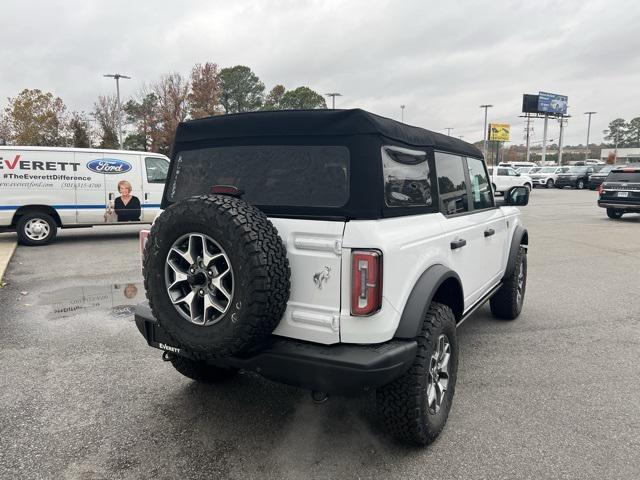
339,369
627,207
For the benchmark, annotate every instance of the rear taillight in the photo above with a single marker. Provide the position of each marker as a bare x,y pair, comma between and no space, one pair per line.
366,282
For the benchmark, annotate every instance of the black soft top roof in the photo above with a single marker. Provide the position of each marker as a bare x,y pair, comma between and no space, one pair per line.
308,123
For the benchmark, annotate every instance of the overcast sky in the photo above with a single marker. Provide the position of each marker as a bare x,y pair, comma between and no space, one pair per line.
440,59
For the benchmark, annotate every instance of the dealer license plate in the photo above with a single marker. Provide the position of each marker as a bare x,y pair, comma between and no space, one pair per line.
623,194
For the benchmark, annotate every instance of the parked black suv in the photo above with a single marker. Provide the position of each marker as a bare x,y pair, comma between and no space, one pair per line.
576,177
596,178
620,192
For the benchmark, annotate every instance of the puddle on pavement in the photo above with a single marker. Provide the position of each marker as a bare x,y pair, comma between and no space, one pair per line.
118,300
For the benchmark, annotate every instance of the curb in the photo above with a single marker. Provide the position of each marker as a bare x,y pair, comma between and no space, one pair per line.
7,248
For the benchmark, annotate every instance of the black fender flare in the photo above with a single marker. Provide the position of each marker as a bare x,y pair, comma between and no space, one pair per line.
421,297
520,237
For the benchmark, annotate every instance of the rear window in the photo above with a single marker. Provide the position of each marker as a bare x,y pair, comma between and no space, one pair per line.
282,175
633,177
406,177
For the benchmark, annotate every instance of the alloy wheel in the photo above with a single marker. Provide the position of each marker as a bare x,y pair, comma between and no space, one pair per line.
438,374
199,279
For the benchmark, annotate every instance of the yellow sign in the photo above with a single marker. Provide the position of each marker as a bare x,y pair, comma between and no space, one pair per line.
499,132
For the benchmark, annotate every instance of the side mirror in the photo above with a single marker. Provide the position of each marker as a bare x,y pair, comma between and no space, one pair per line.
518,174
517,196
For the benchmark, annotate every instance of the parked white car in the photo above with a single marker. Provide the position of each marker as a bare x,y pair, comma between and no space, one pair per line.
546,176
504,178
46,188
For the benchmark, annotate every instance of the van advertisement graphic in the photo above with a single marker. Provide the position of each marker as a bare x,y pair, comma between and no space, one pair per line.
105,189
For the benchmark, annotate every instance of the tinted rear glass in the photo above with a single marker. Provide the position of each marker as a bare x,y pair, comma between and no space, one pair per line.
633,177
282,175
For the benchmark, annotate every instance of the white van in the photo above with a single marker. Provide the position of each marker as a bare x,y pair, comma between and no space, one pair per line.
45,188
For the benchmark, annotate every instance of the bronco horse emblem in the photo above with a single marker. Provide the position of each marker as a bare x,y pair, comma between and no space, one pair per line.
322,277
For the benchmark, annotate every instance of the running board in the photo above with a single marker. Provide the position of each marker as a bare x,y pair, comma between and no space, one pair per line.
479,303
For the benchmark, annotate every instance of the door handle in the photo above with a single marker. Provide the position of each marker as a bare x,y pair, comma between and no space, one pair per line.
146,196
458,243
488,232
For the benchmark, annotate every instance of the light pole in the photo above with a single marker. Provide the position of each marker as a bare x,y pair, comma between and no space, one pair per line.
563,121
588,131
118,76
333,98
544,140
448,129
402,113
484,136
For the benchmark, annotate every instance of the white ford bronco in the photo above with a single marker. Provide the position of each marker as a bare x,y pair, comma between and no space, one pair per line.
334,250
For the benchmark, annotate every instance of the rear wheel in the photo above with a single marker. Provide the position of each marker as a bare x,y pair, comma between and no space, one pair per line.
528,187
580,184
550,183
415,407
508,300
614,213
36,229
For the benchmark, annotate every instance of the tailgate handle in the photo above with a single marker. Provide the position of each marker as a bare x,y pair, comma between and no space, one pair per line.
458,243
488,232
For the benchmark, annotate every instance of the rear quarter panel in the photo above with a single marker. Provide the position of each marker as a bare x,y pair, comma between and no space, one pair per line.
409,246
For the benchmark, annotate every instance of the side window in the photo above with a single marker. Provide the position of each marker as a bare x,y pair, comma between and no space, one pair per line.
157,169
503,171
406,177
480,187
511,172
452,186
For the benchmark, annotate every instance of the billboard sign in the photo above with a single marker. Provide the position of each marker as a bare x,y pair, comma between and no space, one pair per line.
552,103
499,132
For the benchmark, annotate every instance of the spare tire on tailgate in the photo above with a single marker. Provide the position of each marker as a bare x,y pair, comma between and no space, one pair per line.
216,274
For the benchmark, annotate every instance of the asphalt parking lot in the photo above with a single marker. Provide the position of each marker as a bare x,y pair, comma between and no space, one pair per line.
554,394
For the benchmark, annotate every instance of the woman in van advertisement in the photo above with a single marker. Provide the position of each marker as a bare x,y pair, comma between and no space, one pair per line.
127,207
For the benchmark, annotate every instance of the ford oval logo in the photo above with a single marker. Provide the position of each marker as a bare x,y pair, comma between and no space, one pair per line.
109,166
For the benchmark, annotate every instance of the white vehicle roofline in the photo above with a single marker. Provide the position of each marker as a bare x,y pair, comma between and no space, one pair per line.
74,149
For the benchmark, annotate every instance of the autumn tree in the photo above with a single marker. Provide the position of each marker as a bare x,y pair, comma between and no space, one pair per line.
274,97
302,98
5,129
240,90
204,97
105,112
172,93
79,130
37,118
